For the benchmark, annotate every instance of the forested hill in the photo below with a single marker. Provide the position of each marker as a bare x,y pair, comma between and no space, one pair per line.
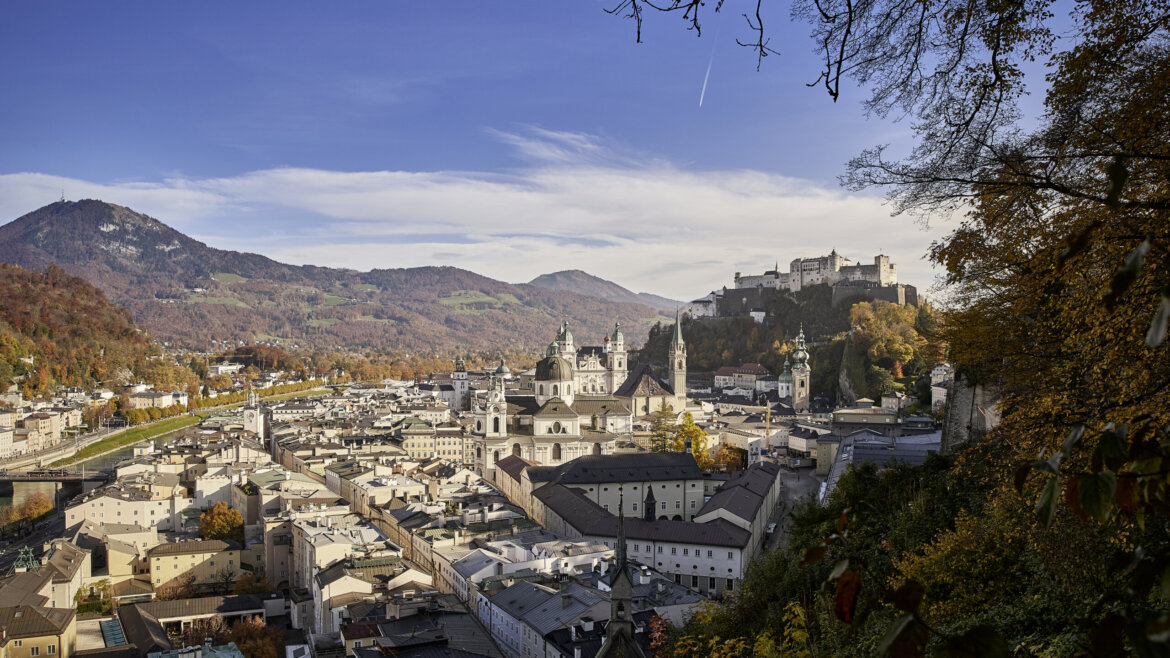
884,347
189,294
72,334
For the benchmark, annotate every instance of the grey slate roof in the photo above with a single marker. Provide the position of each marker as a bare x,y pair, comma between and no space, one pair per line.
590,519
632,467
546,611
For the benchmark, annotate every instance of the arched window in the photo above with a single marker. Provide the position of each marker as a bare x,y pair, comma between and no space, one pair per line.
597,448
495,456
556,452
540,389
496,425
478,452
556,427
478,426
555,390
568,389
516,449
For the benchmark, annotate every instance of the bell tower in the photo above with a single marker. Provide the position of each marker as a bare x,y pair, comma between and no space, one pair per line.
677,367
616,366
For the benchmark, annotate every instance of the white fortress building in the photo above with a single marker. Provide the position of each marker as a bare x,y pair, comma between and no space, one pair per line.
750,293
831,269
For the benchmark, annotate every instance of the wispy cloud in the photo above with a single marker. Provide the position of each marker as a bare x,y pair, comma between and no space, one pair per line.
580,202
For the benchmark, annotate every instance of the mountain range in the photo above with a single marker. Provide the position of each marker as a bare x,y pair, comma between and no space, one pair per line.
194,296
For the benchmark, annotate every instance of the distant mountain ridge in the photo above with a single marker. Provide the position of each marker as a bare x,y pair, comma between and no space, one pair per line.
584,283
189,294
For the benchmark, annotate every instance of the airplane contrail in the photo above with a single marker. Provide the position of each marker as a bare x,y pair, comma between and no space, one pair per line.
703,93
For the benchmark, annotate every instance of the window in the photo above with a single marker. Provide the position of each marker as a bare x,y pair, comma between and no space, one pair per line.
692,504
635,548
19,643
678,504
729,555
673,550
34,651
52,649
686,551
664,504
635,507
660,549
709,554
730,584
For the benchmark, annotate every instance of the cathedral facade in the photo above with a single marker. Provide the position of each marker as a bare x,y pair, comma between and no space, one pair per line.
582,401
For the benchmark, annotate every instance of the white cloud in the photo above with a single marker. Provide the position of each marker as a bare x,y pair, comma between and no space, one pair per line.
581,204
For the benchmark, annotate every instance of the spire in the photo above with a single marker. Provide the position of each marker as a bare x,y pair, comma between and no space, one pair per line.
678,339
621,538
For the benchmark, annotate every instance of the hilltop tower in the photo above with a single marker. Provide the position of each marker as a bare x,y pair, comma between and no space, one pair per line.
678,364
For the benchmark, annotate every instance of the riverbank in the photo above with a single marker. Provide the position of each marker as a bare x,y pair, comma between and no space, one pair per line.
130,437
158,428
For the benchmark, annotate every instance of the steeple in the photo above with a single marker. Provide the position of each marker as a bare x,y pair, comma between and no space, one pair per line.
678,364
620,639
621,539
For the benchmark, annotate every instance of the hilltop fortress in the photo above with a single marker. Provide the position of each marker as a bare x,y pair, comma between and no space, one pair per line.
750,293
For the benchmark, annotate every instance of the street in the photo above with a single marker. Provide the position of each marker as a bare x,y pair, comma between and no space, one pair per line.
798,484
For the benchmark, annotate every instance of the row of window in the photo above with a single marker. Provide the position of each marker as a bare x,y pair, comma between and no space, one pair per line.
36,651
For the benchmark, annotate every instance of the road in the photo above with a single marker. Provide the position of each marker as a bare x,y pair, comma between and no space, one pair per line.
798,484
46,530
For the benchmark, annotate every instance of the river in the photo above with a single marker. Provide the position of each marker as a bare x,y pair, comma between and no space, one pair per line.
100,463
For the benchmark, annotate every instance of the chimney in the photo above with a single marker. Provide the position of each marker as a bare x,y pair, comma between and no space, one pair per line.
566,600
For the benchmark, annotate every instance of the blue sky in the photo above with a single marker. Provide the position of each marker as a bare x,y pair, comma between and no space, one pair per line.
510,138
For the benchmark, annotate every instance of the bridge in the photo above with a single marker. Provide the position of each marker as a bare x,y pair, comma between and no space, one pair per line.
53,475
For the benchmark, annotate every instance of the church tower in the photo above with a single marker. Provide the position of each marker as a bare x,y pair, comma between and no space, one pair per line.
496,411
615,360
678,364
800,375
462,385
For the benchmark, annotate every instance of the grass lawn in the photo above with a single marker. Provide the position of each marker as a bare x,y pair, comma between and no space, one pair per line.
226,301
466,297
322,322
334,300
129,437
227,277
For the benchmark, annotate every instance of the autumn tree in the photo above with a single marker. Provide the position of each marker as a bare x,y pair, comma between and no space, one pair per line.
1058,295
255,639
661,429
689,437
35,505
252,584
222,522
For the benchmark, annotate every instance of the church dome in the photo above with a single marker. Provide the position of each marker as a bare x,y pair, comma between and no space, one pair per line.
503,369
617,333
553,369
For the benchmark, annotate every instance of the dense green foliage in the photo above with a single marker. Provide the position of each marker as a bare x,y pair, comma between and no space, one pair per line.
715,342
891,342
980,556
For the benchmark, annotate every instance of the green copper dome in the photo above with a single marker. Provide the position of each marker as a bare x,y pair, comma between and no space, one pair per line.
617,333
553,369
